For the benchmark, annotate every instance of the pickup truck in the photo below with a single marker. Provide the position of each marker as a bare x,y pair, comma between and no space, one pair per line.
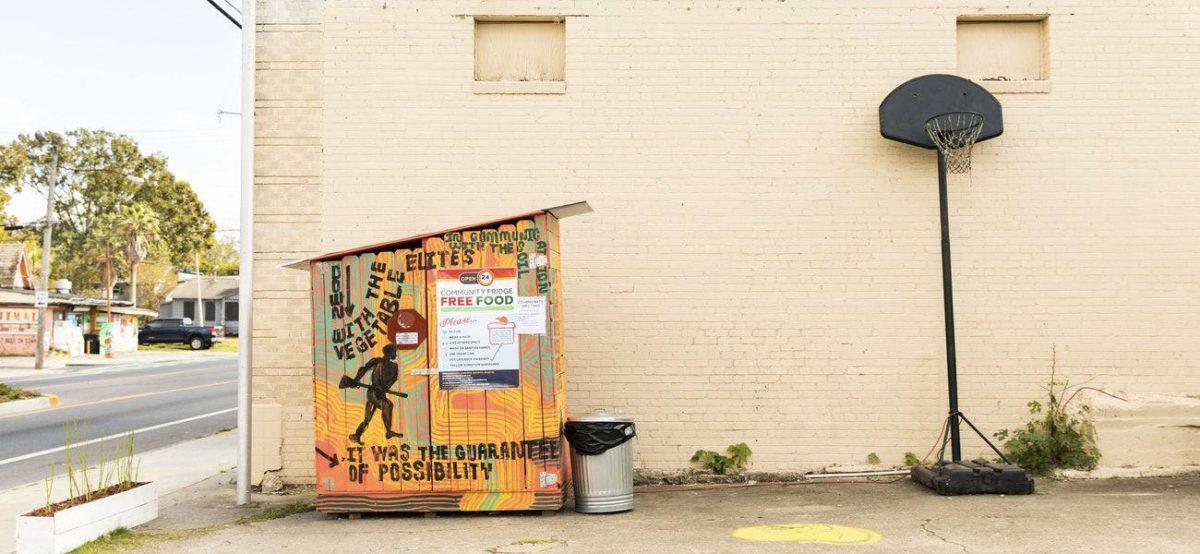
180,331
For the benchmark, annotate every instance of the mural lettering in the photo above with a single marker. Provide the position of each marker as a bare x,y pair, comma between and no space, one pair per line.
413,463
361,333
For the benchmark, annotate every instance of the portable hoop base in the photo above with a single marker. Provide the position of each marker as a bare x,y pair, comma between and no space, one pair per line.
973,477
955,477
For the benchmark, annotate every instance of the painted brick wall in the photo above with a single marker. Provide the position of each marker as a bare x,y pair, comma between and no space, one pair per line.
762,266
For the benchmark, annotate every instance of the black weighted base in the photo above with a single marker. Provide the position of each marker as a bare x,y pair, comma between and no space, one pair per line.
973,477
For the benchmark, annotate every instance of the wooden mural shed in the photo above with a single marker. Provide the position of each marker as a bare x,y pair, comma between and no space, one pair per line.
438,371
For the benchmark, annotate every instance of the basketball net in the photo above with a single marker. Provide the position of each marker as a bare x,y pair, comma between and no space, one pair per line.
954,134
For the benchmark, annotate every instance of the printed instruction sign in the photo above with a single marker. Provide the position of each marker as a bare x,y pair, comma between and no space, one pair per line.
530,315
477,333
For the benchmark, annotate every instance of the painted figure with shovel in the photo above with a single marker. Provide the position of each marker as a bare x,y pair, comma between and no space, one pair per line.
384,372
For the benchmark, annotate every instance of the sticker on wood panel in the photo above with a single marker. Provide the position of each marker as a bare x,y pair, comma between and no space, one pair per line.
477,335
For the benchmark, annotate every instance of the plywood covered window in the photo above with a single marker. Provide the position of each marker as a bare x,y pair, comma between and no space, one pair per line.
1004,49
518,56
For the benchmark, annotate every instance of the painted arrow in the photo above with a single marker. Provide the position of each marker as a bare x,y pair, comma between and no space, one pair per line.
333,461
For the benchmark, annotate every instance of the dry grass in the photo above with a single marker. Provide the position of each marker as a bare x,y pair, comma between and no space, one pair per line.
9,393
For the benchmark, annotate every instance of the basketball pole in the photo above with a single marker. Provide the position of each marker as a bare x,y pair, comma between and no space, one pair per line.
948,309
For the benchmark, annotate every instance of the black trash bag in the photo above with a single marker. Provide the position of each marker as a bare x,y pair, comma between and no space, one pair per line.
592,438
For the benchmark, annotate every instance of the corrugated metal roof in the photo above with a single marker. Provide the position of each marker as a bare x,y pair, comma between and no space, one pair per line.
129,310
25,296
563,211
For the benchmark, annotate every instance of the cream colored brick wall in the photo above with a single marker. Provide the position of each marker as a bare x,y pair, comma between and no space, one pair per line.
287,211
762,266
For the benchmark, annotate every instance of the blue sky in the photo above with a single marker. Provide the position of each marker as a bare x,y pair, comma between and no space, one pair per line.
157,70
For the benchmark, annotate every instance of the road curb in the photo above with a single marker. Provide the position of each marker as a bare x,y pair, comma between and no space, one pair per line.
28,405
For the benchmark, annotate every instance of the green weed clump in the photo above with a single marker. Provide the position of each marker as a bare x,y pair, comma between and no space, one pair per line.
10,393
738,455
1056,436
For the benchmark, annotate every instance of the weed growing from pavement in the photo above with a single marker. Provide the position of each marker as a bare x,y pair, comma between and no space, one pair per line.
123,540
911,459
1056,437
115,541
873,459
277,512
738,457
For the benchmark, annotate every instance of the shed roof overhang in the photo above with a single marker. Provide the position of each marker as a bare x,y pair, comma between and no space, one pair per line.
560,212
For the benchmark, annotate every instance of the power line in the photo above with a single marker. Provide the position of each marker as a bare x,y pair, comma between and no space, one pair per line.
235,8
218,7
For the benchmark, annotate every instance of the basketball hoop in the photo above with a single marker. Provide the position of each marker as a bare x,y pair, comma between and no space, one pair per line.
954,134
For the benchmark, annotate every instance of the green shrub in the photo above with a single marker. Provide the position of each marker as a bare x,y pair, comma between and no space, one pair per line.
911,459
1055,437
873,458
738,457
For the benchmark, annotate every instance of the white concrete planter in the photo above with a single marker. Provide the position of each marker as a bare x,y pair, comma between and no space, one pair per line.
69,528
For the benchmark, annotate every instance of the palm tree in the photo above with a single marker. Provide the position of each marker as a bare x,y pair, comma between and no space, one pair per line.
138,226
105,237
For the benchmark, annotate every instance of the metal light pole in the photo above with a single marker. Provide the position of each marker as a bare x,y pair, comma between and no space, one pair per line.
40,358
246,256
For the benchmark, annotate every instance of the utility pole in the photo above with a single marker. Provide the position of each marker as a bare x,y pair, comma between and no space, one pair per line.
108,293
40,358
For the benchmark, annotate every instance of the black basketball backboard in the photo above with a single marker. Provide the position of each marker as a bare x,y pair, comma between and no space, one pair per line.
903,114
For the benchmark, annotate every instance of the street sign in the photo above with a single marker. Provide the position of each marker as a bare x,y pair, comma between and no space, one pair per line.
41,299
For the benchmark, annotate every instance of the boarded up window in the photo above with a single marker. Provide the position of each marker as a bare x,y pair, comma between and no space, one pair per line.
1002,49
520,51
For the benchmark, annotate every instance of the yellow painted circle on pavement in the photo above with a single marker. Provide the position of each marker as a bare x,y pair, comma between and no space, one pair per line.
822,533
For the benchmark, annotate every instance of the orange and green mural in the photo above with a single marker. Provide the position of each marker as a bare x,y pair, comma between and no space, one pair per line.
438,372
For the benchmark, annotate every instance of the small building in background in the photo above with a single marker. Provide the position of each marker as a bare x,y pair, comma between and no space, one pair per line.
74,321
219,295
14,266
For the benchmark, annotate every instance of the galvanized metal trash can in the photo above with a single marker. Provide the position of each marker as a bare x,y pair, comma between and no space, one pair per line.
602,462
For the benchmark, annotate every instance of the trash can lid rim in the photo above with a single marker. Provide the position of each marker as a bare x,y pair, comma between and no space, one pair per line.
602,416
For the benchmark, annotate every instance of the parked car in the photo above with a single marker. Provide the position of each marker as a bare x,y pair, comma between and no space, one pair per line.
180,331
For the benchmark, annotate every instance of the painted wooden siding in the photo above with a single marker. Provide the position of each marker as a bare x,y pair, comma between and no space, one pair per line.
460,449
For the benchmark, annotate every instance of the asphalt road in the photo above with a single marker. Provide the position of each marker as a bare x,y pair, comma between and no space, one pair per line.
164,403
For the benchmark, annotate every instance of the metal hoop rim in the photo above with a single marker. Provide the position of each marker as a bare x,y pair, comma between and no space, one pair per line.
975,120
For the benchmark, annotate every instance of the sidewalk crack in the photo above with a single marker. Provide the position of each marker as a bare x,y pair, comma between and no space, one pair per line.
932,533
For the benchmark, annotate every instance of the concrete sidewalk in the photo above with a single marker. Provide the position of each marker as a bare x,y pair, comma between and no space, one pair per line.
12,367
174,468
1112,515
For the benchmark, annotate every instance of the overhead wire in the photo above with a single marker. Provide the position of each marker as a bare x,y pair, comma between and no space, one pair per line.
231,19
